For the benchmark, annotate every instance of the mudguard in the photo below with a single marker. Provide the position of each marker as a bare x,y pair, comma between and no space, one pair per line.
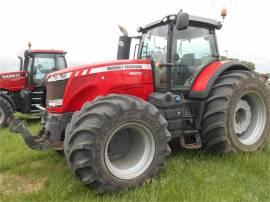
206,78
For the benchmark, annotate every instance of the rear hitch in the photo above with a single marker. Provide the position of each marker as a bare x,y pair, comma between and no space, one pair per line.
39,142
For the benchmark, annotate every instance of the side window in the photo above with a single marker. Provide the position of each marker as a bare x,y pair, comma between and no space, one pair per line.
61,62
199,47
192,50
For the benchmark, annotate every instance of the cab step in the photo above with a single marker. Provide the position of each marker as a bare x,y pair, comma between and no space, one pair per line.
191,139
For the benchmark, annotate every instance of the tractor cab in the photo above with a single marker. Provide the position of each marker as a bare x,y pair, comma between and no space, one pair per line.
39,63
179,46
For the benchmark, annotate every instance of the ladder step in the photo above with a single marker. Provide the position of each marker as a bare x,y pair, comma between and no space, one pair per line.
190,132
37,92
194,139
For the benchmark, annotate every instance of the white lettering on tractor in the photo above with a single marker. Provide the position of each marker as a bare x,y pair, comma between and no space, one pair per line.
8,76
120,68
135,73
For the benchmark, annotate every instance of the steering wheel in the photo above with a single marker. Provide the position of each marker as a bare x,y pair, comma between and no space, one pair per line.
40,68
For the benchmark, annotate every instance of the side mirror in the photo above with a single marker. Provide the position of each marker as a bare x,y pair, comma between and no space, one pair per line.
182,21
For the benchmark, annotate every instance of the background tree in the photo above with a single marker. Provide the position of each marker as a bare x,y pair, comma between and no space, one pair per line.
249,64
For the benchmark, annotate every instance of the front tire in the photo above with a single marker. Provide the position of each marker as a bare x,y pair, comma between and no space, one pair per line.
5,112
116,142
237,114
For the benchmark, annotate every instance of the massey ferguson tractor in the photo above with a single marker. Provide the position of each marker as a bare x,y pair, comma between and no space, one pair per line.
24,90
114,120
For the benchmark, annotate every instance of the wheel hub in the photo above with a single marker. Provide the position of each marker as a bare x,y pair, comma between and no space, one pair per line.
129,151
250,118
242,116
116,147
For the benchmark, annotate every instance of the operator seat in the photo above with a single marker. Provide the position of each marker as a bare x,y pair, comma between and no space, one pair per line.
189,60
182,70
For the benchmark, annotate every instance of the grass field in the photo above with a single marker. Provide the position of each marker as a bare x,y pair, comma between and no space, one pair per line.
27,175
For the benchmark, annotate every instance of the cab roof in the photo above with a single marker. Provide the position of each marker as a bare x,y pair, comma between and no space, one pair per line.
193,20
47,51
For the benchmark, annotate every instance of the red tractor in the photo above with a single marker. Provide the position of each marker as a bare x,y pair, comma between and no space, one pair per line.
24,90
114,120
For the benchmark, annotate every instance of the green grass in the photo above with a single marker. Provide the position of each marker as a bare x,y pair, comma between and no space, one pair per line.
27,175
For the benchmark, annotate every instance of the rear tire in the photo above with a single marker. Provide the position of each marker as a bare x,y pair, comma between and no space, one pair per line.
5,112
116,142
237,114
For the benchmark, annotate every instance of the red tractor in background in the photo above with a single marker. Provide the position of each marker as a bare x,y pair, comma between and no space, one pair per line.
114,120
24,90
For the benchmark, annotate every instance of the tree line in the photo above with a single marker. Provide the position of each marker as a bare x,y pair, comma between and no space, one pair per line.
249,64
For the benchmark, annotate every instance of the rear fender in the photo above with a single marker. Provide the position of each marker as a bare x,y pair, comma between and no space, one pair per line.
207,77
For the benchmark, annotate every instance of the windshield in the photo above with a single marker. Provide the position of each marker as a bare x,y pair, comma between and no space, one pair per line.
44,64
154,44
154,47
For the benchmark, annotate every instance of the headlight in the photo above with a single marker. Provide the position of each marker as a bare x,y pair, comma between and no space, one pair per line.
55,103
59,77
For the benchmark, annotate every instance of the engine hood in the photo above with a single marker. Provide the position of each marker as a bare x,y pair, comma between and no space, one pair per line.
88,67
13,81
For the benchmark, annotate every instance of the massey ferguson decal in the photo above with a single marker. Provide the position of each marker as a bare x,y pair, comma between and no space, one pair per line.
120,68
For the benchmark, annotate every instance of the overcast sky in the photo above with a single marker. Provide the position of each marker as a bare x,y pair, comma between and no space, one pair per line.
88,30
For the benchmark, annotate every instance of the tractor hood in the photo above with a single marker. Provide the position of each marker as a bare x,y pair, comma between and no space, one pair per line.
13,81
69,89
110,65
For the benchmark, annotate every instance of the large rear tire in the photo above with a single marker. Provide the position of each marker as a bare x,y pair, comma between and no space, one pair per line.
5,111
237,114
116,142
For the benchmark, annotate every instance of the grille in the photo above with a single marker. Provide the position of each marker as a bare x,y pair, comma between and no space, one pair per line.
56,89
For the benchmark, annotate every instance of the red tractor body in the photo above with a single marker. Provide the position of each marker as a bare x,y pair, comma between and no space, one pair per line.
13,81
130,77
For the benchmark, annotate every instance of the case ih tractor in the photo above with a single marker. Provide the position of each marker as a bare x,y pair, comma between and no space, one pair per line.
24,90
114,120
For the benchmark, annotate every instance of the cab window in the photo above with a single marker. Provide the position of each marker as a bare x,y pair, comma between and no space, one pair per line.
43,64
193,49
61,62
